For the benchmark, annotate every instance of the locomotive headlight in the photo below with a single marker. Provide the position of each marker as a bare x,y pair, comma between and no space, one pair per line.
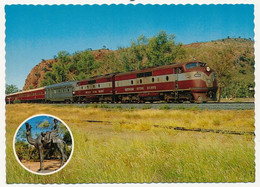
208,68
197,75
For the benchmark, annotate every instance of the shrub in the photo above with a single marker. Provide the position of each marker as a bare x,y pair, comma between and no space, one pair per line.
145,107
132,107
104,106
17,101
119,107
180,108
164,107
94,105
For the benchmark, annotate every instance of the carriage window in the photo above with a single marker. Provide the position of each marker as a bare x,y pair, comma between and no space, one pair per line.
93,86
68,90
132,82
82,87
148,74
99,85
87,86
138,75
92,82
141,81
152,79
191,65
167,78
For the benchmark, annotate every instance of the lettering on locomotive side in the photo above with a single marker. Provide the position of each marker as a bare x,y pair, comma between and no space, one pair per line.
100,91
151,87
140,88
129,89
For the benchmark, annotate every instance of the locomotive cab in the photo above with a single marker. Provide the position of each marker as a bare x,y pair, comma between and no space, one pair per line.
203,83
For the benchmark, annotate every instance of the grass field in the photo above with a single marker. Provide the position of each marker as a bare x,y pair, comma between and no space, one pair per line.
127,148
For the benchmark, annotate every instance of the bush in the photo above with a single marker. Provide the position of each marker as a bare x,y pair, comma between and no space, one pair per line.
104,106
145,107
132,107
119,107
164,107
17,101
94,105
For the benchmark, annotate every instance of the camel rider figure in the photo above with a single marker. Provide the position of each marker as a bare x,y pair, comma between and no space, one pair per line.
51,136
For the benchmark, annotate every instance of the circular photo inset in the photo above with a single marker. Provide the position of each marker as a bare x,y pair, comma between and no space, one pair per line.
43,144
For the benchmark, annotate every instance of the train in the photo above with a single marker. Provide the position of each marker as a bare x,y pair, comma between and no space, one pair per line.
192,81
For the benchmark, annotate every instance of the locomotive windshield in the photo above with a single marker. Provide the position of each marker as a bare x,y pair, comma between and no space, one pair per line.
195,64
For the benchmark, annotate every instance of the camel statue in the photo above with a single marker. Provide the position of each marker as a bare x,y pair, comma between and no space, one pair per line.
46,141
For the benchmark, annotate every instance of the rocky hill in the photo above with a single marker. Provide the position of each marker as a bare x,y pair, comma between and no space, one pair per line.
36,75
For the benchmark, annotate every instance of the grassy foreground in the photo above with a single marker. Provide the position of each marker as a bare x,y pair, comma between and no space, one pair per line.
127,148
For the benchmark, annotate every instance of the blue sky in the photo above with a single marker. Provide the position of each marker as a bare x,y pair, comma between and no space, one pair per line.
34,33
35,122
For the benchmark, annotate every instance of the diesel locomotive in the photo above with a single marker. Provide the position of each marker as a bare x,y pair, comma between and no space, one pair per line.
191,81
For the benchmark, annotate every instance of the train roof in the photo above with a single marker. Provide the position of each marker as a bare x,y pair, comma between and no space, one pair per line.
63,84
155,68
25,91
98,77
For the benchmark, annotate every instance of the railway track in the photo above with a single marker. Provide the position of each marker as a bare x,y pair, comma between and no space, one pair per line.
202,106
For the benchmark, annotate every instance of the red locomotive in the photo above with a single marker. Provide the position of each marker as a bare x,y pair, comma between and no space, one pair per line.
191,81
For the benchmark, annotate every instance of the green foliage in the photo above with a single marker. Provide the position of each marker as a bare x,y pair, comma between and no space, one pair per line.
17,101
10,88
145,107
67,138
164,107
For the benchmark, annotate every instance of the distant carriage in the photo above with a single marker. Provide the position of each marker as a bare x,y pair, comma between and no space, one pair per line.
191,81
62,92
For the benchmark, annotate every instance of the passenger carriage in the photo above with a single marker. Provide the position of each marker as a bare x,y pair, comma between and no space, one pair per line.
96,89
36,95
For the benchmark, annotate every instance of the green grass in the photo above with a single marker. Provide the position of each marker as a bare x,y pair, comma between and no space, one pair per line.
130,150
165,107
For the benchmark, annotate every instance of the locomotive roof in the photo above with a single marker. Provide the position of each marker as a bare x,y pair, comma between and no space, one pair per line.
154,68
98,77
63,84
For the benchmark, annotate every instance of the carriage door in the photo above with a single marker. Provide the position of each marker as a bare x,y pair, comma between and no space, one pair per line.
176,72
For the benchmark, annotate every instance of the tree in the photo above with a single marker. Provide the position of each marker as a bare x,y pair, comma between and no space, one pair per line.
223,64
10,89
160,49
67,138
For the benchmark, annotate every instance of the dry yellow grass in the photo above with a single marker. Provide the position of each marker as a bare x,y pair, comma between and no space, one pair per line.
127,148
